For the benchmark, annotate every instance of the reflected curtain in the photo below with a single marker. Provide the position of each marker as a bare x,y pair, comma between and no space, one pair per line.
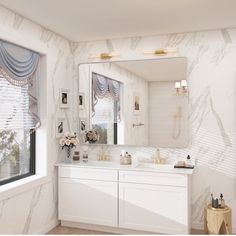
105,87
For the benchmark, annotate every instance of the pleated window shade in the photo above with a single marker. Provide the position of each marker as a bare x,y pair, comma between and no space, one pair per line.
14,107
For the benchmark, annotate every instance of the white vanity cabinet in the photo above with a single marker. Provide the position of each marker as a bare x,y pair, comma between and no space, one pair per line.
116,200
154,202
88,196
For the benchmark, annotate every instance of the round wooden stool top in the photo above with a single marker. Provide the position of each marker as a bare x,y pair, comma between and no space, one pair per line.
218,220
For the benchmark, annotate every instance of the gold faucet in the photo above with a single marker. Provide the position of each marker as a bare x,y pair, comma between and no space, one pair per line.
103,156
157,158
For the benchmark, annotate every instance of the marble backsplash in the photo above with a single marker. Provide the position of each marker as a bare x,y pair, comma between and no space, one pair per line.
211,76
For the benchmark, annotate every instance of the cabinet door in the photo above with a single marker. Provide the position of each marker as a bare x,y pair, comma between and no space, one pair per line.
88,201
161,209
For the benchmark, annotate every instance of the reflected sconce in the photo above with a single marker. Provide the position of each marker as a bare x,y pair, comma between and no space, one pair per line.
162,52
104,56
181,88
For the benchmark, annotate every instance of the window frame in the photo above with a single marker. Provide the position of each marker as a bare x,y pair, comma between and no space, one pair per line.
32,166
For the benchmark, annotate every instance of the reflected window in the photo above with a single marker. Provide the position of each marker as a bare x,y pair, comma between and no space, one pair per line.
106,108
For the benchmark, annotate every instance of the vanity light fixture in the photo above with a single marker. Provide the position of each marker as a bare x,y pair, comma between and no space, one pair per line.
104,56
181,88
162,51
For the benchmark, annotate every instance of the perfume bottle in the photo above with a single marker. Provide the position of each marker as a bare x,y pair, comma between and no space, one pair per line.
222,201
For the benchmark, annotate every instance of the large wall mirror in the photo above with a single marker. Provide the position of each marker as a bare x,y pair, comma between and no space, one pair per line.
141,102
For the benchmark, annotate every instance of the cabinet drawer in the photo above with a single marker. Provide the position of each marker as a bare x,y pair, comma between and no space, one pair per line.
142,177
88,173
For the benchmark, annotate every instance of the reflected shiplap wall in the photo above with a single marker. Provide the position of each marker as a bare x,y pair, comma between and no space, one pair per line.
212,82
211,75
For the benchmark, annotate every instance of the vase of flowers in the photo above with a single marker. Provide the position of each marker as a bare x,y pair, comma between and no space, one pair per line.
67,142
91,136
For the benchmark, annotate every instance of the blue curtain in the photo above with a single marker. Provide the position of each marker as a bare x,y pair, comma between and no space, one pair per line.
105,87
19,63
18,66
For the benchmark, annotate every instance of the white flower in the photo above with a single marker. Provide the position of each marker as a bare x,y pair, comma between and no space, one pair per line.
68,139
73,141
67,142
62,142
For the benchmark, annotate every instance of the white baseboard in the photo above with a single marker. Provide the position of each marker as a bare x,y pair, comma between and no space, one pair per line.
46,228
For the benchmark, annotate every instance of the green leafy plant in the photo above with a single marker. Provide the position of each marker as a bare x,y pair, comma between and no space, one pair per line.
9,148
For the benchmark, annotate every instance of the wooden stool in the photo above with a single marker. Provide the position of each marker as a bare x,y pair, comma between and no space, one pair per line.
218,220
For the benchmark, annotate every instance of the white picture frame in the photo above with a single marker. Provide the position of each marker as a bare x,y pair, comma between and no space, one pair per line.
136,104
64,97
60,127
81,100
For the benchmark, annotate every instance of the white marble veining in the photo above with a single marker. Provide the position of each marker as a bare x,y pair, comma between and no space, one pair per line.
211,76
35,210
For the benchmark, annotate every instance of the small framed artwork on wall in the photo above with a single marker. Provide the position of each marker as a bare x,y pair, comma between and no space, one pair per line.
64,98
60,127
136,104
82,125
81,100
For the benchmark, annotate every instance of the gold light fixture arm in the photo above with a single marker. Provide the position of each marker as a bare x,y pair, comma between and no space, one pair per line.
104,56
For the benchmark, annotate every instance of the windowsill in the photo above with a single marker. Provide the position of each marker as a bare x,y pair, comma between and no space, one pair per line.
17,187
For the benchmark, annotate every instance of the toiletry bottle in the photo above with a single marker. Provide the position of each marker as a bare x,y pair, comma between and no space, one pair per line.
222,201
157,158
189,161
126,157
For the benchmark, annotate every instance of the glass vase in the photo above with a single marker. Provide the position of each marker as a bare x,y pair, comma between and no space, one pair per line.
68,158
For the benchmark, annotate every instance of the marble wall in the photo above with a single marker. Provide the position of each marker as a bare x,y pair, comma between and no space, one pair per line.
211,76
35,210
212,83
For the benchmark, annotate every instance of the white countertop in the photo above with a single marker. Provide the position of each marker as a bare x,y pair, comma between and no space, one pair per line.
162,168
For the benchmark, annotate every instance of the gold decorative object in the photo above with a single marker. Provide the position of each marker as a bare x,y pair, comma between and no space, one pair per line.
103,156
218,220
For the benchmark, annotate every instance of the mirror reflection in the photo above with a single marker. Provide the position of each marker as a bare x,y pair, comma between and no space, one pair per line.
142,102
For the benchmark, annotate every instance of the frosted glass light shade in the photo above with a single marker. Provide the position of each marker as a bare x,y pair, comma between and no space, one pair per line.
177,85
183,83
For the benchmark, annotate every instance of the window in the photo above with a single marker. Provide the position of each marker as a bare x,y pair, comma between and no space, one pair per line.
104,120
105,108
17,140
18,111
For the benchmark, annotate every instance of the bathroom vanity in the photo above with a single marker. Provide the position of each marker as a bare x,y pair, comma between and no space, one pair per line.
110,197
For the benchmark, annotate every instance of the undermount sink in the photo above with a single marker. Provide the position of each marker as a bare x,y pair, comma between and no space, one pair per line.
155,166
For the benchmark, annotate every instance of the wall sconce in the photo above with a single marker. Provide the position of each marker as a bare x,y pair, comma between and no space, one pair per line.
104,56
181,88
162,52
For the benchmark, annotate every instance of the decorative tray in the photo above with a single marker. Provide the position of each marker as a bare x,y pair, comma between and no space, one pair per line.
184,167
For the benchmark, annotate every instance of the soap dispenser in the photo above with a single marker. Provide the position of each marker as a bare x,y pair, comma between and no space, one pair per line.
189,162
